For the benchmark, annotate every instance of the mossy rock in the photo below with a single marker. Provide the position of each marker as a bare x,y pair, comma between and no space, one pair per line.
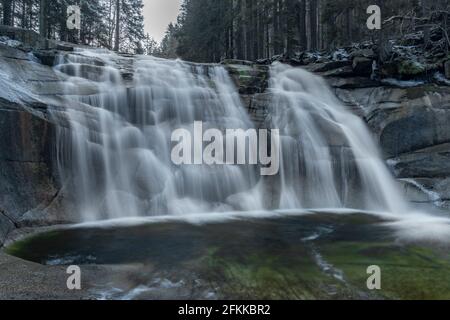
407,272
410,68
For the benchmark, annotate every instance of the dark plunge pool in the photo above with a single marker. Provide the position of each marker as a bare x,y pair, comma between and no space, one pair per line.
320,256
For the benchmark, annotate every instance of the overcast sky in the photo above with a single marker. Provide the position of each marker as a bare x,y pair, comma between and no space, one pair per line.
158,14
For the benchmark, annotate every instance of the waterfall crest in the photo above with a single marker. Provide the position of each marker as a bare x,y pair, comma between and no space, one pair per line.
121,111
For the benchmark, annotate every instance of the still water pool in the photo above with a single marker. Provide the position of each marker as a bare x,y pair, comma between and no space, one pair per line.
319,256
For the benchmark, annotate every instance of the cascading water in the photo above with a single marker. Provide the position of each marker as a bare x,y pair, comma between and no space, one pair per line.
329,157
116,148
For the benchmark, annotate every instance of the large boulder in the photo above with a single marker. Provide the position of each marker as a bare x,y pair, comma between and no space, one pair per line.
403,119
365,53
12,53
422,165
408,69
249,79
28,37
47,57
362,66
328,66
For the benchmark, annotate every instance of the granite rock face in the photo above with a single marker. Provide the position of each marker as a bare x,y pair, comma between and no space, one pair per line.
30,190
412,127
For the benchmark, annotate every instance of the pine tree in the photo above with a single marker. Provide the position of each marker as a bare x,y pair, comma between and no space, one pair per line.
93,24
170,43
150,45
117,26
133,25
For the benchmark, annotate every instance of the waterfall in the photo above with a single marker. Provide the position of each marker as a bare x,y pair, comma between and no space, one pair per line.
329,159
115,146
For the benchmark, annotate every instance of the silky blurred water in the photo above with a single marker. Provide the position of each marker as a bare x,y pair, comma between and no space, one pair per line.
116,149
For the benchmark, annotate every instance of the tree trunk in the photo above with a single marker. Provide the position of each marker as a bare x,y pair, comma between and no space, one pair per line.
63,22
237,29
427,29
313,23
116,45
266,47
382,42
30,14
290,28
24,15
445,23
301,21
7,12
261,29
348,20
276,27
244,29
43,27
13,13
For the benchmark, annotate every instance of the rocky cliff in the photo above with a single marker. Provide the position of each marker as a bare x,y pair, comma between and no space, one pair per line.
409,118
30,191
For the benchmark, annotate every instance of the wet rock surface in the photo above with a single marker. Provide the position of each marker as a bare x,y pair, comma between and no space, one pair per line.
249,78
29,187
411,125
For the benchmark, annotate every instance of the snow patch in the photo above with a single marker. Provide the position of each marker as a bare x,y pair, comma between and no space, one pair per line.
402,83
9,42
